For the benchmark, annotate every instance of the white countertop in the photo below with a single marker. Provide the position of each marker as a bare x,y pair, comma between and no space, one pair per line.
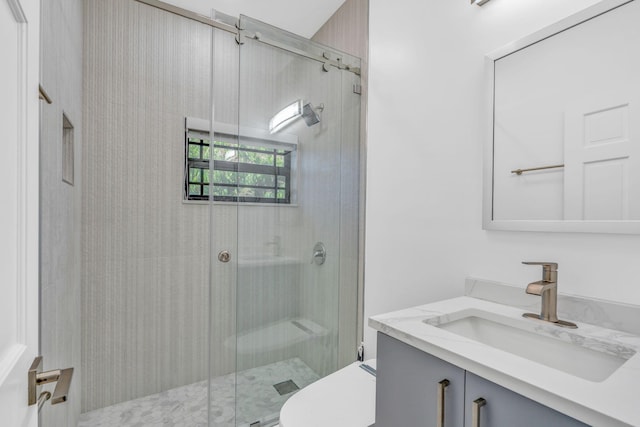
612,402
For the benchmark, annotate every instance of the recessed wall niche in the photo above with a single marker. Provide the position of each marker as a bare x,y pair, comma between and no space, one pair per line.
67,150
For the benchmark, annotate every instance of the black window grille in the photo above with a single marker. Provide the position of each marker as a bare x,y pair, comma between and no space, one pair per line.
258,172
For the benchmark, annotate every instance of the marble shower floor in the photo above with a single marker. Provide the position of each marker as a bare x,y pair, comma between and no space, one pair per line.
187,406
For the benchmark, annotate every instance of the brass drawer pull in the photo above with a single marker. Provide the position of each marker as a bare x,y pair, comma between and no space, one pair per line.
442,386
475,411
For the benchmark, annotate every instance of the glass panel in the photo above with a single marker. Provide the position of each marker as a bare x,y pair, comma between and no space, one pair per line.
287,308
226,154
148,270
269,335
223,220
195,174
256,158
256,179
206,152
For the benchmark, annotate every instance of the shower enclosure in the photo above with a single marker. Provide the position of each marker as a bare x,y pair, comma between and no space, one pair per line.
284,216
291,176
221,222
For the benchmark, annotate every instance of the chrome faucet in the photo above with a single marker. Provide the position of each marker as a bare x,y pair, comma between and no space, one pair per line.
547,288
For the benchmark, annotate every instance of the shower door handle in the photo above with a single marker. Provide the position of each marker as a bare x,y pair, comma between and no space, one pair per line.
224,256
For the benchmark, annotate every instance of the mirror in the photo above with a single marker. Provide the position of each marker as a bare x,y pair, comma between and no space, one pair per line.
563,145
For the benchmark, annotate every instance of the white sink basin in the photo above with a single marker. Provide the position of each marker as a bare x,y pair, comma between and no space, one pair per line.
559,348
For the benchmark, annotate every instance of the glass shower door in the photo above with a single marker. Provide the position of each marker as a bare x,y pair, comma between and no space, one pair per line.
289,193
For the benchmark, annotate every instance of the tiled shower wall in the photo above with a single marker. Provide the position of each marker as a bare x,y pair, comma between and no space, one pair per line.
61,77
145,254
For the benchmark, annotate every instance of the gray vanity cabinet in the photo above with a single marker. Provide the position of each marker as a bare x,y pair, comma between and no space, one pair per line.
504,408
407,386
409,382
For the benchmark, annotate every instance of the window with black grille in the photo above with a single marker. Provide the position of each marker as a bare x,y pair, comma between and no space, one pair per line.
252,171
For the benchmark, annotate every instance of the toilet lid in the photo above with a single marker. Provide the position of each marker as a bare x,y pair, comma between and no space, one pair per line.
346,398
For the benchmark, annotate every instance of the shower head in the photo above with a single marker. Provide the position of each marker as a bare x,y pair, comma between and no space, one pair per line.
310,115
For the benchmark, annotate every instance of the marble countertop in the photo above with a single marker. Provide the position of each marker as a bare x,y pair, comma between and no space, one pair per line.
611,402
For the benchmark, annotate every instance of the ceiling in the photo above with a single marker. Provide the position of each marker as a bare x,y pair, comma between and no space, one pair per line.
302,17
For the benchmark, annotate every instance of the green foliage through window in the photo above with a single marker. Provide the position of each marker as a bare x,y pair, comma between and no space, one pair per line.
259,173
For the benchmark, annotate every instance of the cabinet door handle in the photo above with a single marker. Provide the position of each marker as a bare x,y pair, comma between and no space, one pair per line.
475,411
442,385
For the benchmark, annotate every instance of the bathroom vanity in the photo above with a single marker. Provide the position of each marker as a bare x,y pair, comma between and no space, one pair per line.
460,395
475,361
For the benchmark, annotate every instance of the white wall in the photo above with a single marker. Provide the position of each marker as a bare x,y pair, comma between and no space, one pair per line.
424,232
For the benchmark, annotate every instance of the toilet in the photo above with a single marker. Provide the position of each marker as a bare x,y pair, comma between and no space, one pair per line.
346,398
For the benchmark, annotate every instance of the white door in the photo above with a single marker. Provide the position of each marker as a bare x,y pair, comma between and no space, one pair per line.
602,158
19,44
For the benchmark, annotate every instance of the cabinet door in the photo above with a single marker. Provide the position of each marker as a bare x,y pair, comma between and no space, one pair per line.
407,387
504,408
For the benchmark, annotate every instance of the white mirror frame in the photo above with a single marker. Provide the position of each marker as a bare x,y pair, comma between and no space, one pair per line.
488,223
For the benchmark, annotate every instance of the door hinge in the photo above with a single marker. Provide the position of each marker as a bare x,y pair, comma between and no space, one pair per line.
357,89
